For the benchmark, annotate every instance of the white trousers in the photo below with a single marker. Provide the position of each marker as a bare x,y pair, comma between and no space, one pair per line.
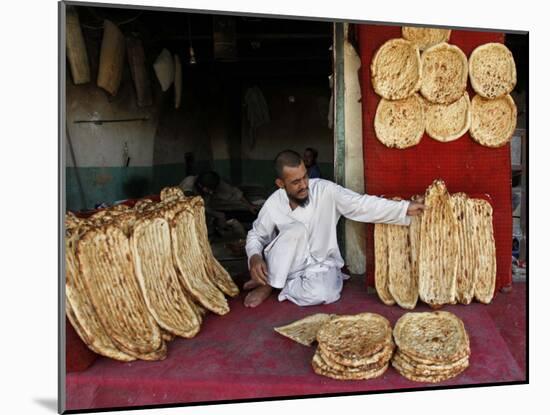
291,268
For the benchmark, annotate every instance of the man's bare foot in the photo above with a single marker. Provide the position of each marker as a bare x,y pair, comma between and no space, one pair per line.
257,296
250,285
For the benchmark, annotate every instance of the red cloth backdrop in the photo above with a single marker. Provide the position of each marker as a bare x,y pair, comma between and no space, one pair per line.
464,165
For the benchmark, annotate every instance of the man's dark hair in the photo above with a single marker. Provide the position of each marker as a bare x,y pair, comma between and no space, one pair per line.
286,158
313,151
209,179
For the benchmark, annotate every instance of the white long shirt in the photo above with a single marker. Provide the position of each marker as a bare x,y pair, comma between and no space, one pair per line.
327,203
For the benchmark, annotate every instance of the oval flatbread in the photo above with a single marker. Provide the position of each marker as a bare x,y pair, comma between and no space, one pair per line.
492,70
424,37
437,336
400,124
448,122
396,69
493,120
444,73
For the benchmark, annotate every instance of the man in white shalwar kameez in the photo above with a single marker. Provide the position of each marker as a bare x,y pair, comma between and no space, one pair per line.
292,245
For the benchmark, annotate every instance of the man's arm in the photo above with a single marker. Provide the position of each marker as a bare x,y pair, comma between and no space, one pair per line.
373,209
262,232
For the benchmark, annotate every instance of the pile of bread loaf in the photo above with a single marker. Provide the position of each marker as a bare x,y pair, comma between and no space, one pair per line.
422,80
431,347
136,277
446,255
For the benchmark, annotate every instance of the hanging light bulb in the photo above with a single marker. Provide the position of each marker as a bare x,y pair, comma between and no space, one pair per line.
192,59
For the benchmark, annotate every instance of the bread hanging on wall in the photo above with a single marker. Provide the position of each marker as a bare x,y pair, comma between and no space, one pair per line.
76,48
138,69
111,58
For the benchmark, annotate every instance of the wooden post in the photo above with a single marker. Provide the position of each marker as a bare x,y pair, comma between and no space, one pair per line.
339,120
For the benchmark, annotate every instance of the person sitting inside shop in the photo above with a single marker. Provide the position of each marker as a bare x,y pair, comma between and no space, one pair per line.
292,246
222,201
310,161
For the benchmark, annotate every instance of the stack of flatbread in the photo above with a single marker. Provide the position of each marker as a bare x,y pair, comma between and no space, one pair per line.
138,277
422,61
431,347
446,255
353,347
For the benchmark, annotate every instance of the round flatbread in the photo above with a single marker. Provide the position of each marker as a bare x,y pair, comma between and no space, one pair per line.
430,366
400,124
396,69
444,73
353,340
448,122
424,37
435,378
334,365
322,369
492,70
437,336
493,120
381,357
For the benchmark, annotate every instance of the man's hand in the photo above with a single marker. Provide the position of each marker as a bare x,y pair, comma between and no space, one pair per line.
258,269
415,208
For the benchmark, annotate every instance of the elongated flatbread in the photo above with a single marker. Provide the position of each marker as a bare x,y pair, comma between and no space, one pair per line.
438,248
465,271
157,277
400,124
424,37
401,283
396,69
492,70
414,240
448,122
304,331
216,272
444,73
190,263
381,269
80,310
107,269
170,193
493,120
484,245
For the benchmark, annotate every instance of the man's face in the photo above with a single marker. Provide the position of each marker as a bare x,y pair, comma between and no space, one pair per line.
295,182
308,158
